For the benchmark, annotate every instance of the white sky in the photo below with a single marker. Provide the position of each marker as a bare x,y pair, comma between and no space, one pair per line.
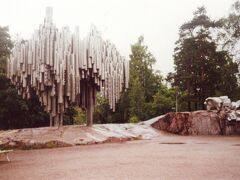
120,21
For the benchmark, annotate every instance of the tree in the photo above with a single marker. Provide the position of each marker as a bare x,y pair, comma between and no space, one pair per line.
103,113
146,96
229,39
200,69
5,48
229,35
14,111
137,100
143,84
163,101
74,115
141,62
18,113
140,101
80,116
146,90
121,115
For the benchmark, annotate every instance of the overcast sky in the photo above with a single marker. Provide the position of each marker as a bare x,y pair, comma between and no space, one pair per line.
120,21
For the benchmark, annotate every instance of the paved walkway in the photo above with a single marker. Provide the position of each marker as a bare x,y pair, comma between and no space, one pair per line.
167,157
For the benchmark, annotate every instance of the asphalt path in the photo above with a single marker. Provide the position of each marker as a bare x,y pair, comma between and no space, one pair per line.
166,157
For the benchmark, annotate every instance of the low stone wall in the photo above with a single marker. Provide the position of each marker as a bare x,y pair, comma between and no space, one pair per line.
197,123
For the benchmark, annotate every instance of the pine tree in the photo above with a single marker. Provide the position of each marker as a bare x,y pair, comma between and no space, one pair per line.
200,69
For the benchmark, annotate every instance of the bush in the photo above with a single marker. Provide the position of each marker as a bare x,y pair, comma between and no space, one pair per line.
134,119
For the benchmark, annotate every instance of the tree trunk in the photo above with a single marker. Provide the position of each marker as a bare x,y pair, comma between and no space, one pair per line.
189,100
196,105
189,105
90,104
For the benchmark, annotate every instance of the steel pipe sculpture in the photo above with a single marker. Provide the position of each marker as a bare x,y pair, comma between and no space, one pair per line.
61,68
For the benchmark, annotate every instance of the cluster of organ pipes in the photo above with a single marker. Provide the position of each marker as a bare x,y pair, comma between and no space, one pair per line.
60,68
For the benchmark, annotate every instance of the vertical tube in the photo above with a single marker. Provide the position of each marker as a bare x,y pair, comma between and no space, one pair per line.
51,120
90,105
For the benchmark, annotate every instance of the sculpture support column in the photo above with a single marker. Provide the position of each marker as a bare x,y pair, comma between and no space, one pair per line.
56,121
90,104
60,122
51,120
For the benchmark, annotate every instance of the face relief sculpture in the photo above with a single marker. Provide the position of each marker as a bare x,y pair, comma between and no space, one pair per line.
223,103
213,103
61,68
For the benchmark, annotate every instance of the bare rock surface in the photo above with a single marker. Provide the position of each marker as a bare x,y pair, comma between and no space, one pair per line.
49,137
183,123
196,123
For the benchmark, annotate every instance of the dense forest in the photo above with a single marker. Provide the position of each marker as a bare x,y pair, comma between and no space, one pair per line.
206,62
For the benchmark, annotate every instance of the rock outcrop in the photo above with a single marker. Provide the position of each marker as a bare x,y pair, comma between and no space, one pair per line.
183,123
197,123
50,137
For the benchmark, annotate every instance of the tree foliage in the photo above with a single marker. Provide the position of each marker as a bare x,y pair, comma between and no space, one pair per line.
142,100
145,84
74,115
230,32
16,112
163,101
103,113
200,69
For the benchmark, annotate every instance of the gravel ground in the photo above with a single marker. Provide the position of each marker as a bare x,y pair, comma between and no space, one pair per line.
165,157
